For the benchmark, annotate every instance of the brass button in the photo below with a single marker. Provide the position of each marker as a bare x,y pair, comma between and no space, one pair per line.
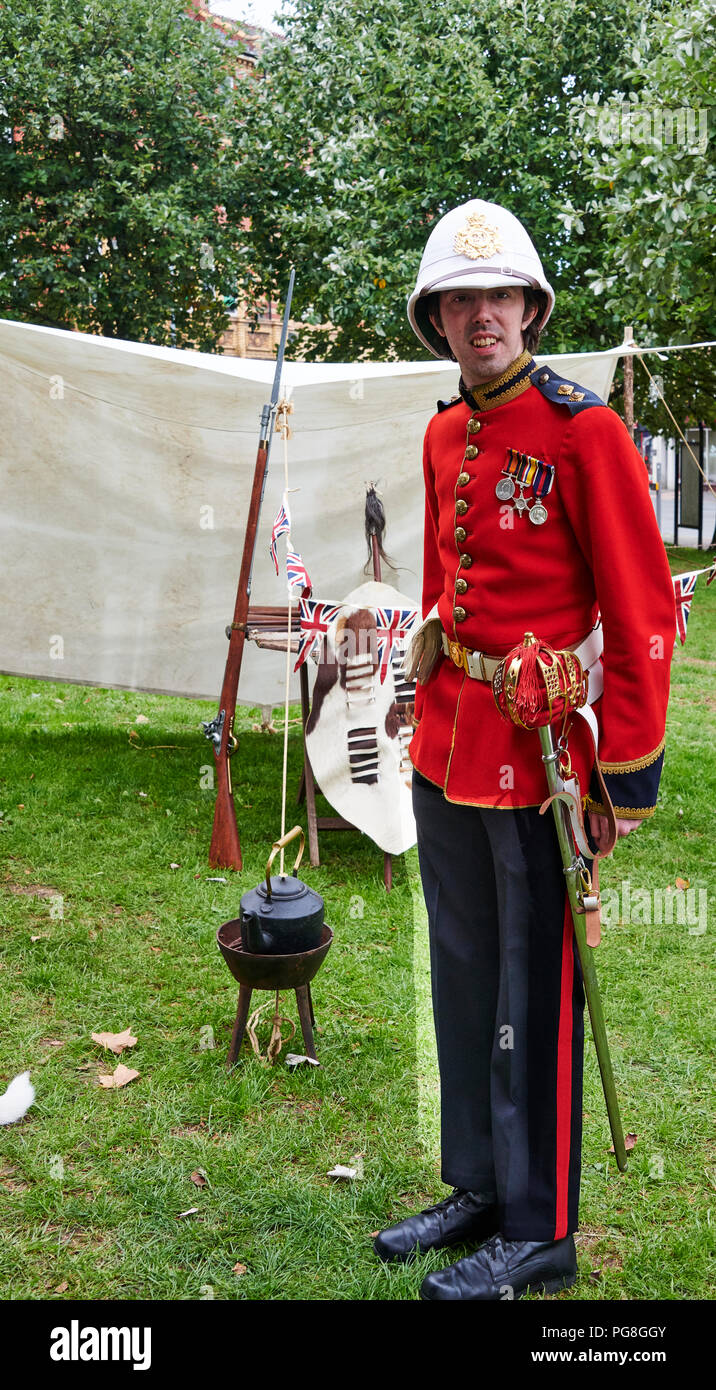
461,586
461,506
463,479
459,615
471,451
473,426
544,377
465,561
460,533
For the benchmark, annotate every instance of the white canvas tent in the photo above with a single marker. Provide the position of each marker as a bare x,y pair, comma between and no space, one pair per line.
126,475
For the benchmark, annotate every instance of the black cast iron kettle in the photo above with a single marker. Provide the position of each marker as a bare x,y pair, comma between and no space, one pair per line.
282,916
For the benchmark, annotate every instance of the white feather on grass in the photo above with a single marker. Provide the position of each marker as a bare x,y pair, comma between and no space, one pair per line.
17,1099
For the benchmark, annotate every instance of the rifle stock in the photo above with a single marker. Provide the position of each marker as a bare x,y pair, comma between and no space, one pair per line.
225,848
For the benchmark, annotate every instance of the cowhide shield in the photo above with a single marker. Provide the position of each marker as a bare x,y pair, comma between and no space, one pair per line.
359,727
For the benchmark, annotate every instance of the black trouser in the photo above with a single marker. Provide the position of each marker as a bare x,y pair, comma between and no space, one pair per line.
508,1005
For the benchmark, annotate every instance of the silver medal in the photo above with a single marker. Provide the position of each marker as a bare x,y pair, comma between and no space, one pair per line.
538,514
505,489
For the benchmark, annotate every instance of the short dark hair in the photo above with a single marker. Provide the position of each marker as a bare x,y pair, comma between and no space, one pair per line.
530,334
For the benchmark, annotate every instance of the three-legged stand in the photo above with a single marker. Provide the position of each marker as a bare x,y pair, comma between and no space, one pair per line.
305,1014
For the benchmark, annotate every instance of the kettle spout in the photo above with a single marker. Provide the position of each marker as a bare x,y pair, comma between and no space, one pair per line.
251,934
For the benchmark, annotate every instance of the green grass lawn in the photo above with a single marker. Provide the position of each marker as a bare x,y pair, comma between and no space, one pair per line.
96,808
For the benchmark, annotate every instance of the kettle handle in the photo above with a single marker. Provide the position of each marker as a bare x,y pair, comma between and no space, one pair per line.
279,844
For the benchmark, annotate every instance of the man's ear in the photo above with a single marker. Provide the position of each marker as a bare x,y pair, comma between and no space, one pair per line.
436,321
529,315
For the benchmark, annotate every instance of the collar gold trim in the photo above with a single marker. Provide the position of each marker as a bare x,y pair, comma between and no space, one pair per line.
506,387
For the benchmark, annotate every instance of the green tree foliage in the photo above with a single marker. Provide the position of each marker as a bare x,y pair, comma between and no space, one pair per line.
649,155
373,121
121,206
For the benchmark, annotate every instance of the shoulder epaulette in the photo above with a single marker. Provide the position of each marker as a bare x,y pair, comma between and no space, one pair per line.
445,405
562,392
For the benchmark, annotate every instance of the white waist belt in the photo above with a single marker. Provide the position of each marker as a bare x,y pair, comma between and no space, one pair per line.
482,667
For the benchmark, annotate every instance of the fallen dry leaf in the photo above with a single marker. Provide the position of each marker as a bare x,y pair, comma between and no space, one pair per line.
682,883
63,1287
198,1178
51,1042
156,949
238,1269
121,1076
297,1059
629,1142
116,1042
190,1211
41,936
141,719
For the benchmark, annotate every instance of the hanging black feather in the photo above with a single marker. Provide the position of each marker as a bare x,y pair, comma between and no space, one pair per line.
375,526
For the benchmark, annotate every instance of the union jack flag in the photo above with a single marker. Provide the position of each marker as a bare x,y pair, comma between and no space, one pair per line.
393,625
684,586
281,526
298,576
315,620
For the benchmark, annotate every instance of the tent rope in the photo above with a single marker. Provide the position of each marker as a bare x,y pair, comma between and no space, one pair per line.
659,391
284,410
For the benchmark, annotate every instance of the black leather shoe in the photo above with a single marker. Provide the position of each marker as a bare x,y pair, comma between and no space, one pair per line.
463,1216
503,1269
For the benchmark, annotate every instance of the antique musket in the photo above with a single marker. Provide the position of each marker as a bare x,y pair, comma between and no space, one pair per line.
225,850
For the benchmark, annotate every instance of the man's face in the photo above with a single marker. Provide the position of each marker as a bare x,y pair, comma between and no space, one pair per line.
483,328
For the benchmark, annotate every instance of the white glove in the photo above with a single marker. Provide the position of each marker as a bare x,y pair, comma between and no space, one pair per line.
424,650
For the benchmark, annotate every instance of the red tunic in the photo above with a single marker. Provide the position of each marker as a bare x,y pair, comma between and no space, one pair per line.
598,550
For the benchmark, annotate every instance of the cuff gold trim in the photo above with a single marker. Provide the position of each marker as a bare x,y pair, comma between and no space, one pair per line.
622,812
637,765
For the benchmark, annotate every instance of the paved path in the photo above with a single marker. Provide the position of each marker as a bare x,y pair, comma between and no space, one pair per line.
687,536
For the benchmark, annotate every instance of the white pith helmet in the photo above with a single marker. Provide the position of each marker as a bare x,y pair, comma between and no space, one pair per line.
476,246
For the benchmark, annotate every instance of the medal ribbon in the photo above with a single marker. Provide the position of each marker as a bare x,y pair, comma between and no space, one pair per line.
526,470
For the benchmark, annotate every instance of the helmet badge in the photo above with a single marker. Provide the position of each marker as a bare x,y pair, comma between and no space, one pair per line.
478,239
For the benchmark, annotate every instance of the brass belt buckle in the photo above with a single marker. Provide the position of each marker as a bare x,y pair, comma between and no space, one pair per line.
456,656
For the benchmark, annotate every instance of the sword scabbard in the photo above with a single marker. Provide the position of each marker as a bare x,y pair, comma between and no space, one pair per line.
580,894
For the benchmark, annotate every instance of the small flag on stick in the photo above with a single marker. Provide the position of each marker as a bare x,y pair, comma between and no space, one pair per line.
316,618
281,527
684,586
297,574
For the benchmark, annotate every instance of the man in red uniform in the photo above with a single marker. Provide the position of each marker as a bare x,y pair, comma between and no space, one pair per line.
538,518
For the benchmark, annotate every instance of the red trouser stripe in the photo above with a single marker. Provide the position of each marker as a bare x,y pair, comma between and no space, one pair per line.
564,1078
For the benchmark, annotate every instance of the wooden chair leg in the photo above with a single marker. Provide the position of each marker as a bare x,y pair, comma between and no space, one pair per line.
304,1013
388,871
242,1013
